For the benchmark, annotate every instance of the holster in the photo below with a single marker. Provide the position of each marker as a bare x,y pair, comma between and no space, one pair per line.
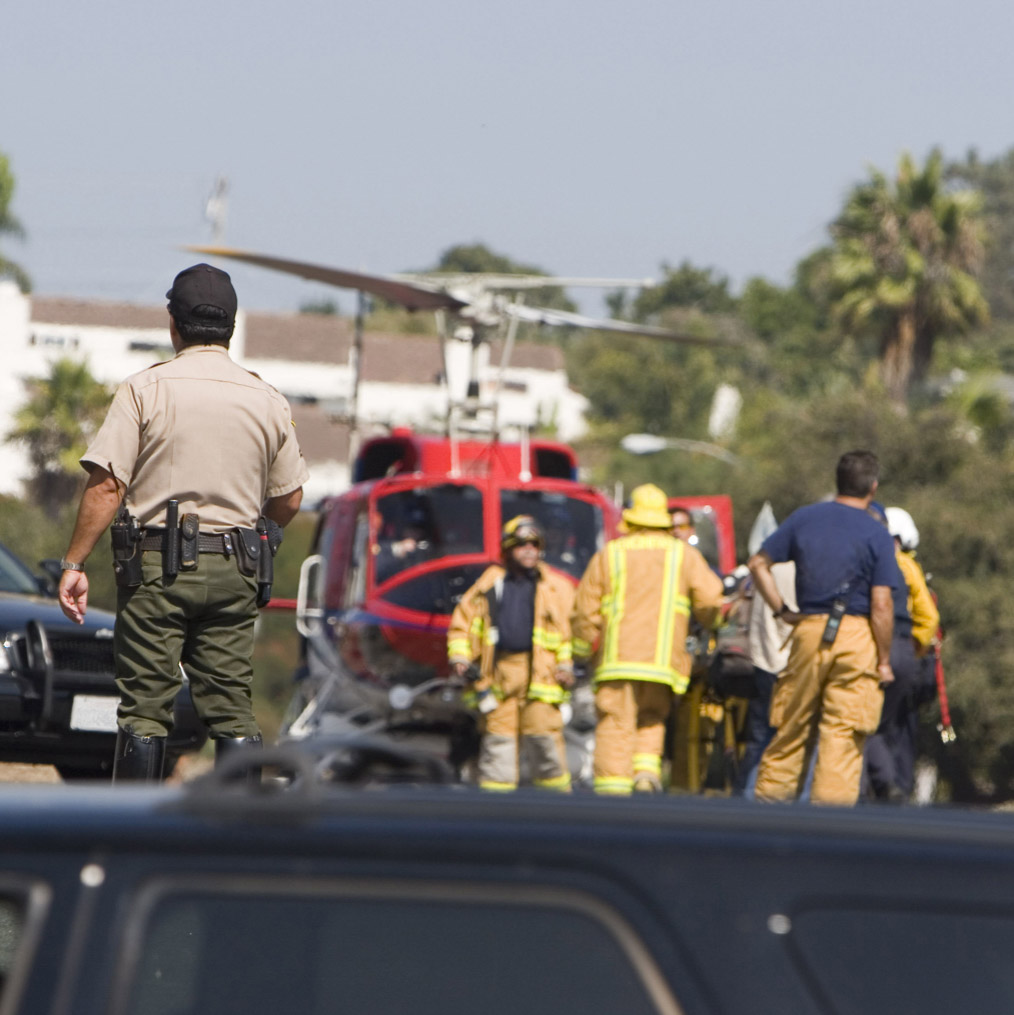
270,537
247,544
190,528
126,535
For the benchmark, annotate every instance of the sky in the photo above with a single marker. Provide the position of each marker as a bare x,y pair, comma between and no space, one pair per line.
590,139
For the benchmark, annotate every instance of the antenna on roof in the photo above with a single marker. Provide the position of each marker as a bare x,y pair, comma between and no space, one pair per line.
216,208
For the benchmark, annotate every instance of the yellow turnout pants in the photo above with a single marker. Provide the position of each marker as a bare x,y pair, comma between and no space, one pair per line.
827,698
630,734
538,724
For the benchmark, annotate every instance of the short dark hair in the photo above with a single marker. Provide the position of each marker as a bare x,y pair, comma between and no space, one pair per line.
856,473
205,332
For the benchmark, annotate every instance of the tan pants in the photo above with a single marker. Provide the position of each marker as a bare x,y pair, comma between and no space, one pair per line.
828,698
537,725
630,734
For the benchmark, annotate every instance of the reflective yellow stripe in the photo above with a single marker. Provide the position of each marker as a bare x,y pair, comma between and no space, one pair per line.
582,648
459,648
648,763
476,626
547,639
560,783
667,617
643,671
498,787
613,785
552,694
618,587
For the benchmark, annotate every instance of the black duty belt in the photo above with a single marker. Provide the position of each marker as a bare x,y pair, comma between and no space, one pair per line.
207,542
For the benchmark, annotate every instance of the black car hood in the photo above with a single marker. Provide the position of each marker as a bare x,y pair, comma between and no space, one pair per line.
16,610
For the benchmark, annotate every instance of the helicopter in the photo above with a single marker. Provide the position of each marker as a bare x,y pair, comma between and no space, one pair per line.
393,554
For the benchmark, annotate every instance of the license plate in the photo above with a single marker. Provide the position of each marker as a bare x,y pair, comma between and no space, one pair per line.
93,712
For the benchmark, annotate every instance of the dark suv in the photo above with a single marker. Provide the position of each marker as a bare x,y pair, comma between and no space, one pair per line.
213,898
57,691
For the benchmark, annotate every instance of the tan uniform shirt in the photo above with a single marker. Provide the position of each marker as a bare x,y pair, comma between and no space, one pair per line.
200,429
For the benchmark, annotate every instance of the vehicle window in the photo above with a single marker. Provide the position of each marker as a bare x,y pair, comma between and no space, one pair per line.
14,576
425,523
435,591
442,949
706,534
970,949
572,527
355,587
21,913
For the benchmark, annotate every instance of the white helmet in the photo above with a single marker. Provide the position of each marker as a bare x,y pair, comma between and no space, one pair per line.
900,525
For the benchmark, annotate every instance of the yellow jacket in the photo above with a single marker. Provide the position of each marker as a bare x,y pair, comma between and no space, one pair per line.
634,602
471,636
921,608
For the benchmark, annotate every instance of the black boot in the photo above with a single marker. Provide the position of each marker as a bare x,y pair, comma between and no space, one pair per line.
227,747
138,759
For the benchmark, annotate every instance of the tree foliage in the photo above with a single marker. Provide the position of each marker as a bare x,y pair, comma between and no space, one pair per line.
10,226
55,425
903,266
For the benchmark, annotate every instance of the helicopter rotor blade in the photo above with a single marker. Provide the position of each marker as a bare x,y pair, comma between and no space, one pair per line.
542,315
412,294
485,281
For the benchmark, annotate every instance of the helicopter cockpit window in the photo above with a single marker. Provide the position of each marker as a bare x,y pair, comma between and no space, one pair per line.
705,536
426,523
572,527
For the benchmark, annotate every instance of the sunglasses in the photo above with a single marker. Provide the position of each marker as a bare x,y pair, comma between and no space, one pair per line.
529,542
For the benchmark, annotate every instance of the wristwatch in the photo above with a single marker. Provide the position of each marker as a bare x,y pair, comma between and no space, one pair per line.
67,565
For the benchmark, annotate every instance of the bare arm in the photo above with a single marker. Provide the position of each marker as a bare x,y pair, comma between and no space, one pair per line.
97,509
283,509
764,581
882,622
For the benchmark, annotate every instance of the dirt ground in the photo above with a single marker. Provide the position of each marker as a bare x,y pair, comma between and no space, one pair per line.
189,767
10,772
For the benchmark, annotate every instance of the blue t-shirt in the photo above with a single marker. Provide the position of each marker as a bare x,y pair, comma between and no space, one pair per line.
836,548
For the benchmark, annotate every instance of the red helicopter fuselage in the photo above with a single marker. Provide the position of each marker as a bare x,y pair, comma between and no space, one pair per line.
421,522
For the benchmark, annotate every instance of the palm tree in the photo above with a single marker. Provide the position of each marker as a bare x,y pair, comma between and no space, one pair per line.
55,425
10,225
903,266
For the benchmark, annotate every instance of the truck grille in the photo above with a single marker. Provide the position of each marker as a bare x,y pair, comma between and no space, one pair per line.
72,653
77,653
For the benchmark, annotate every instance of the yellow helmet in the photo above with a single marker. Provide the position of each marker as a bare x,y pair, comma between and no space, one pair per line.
649,509
520,529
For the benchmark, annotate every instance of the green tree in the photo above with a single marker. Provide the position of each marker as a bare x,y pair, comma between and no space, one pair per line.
10,226
55,425
994,180
903,266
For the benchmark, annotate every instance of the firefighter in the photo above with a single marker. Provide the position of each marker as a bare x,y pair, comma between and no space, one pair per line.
515,622
633,608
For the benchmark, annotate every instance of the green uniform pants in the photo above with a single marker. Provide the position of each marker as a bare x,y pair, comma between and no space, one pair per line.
204,619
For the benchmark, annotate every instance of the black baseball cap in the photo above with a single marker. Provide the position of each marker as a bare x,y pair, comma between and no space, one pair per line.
202,294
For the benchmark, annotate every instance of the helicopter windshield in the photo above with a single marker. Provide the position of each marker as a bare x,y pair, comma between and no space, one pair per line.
425,523
572,528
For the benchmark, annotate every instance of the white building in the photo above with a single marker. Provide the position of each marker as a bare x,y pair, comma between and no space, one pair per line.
305,356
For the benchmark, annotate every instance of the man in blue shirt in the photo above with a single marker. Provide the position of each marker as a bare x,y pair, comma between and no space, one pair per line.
830,694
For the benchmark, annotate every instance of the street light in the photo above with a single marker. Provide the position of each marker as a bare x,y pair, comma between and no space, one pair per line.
651,444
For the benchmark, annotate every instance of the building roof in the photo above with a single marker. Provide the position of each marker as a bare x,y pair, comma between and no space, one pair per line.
307,338
95,314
